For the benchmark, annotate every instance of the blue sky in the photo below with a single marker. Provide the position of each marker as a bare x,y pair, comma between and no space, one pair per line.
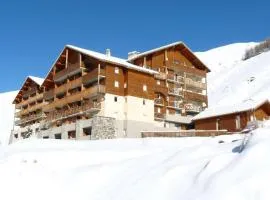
32,33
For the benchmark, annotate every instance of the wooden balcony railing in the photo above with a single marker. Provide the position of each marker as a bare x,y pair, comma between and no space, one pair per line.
192,83
49,94
175,92
72,69
88,107
188,69
28,101
159,116
159,102
29,119
93,76
30,109
161,76
87,93
29,92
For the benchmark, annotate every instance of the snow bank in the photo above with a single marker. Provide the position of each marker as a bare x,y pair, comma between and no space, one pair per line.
152,168
6,115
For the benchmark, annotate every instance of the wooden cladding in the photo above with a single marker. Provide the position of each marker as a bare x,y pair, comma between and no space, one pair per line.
161,89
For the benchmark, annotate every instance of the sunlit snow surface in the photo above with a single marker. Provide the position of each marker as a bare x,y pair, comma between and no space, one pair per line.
153,168
228,81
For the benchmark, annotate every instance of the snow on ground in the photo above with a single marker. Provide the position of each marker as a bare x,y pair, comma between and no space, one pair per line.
152,168
6,115
228,80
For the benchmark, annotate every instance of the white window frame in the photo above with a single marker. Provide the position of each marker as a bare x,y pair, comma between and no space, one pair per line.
145,88
116,84
116,70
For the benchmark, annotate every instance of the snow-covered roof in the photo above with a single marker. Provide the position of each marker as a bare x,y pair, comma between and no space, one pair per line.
166,47
111,59
37,80
230,109
155,50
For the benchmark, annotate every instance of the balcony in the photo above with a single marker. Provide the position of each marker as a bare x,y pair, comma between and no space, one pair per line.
28,101
29,92
159,116
87,93
93,76
29,119
193,108
176,92
93,91
175,79
175,105
30,109
159,102
71,70
87,108
196,84
161,76
48,95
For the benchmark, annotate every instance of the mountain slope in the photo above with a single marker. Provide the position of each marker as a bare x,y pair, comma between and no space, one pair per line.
228,82
6,115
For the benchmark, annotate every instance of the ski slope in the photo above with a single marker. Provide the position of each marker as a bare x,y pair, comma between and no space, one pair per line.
137,169
228,80
7,110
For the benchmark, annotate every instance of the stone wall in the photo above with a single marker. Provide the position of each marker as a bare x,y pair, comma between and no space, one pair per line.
103,128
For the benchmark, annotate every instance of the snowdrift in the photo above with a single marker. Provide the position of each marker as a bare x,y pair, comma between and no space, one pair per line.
152,168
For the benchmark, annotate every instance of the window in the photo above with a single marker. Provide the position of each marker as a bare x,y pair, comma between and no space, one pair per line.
58,136
116,84
144,102
237,122
158,82
144,88
116,70
115,99
158,110
125,85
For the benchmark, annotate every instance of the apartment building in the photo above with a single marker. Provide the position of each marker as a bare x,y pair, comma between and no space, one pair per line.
90,95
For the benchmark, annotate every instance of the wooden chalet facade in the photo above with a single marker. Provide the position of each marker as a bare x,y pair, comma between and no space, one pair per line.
92,95
232,120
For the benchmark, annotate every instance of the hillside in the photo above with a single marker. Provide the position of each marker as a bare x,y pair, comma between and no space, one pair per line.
6,115
228,79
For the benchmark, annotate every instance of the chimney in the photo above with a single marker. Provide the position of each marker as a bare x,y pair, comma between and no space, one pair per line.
108,52
132,54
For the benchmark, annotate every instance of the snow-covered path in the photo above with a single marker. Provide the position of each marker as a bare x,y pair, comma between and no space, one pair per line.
152,168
